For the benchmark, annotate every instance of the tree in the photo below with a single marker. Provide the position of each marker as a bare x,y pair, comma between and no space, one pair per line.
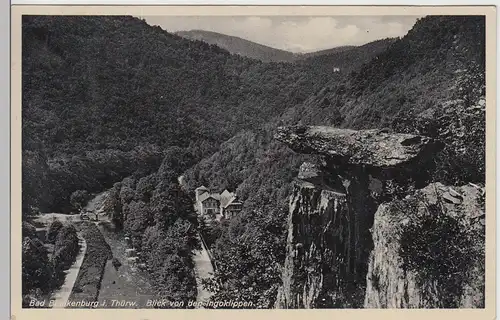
66,248
248,255
79,199
36,269
139,217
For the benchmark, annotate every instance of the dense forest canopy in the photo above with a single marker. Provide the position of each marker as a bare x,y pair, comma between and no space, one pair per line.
108,98
114,87
111,88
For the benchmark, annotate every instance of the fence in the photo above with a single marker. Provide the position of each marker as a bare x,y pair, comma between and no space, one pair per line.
204,244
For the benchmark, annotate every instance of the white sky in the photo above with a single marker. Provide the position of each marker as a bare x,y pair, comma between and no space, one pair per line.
294,33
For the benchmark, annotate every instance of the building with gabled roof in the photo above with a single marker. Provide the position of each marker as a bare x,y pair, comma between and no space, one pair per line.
231,208
216,205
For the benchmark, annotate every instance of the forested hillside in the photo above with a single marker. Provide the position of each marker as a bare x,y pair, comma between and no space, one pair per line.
394,80
325,52
100,91
437,68
108,98
347,59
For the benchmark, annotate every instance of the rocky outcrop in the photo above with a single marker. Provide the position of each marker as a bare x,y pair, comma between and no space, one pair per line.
333,206
453,233
370,148
316,262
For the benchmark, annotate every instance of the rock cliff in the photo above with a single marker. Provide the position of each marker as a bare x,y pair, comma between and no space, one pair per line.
428,250
373,148
340,250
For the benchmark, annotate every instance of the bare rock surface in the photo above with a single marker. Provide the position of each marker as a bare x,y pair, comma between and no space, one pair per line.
376,148
310,172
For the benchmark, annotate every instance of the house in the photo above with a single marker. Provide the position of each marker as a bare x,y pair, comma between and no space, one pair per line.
209,204
232,209
216,205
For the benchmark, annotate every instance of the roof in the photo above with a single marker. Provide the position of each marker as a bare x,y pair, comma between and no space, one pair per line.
201,188
230,202
226,193
226,198
235,203
206,196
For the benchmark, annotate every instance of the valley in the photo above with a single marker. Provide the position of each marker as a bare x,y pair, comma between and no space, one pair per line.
325,154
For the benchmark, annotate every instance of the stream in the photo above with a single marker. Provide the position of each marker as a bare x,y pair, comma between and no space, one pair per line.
127,284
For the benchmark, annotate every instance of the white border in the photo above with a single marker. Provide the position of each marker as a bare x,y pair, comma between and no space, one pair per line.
255,2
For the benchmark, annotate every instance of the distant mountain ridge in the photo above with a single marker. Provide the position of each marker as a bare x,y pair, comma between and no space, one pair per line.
325,52
254,50
240,46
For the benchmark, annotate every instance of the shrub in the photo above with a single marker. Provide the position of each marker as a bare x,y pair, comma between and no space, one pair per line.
36,270
66,248
35,294
91,271
439,248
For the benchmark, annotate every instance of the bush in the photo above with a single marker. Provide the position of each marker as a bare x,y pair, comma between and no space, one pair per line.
90,276
79,198
37,271
28,230
35,294
66,248
439,248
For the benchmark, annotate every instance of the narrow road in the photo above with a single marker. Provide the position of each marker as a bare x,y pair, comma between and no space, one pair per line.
61,296
203,269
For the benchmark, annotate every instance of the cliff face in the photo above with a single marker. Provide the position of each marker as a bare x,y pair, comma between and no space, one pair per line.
343,247
454,277
310,265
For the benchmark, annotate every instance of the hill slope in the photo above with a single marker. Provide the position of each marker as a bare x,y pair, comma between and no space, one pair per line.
429,59
347,59
239,46
335,56
98,88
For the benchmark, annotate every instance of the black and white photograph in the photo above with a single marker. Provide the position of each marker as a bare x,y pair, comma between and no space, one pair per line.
253,161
